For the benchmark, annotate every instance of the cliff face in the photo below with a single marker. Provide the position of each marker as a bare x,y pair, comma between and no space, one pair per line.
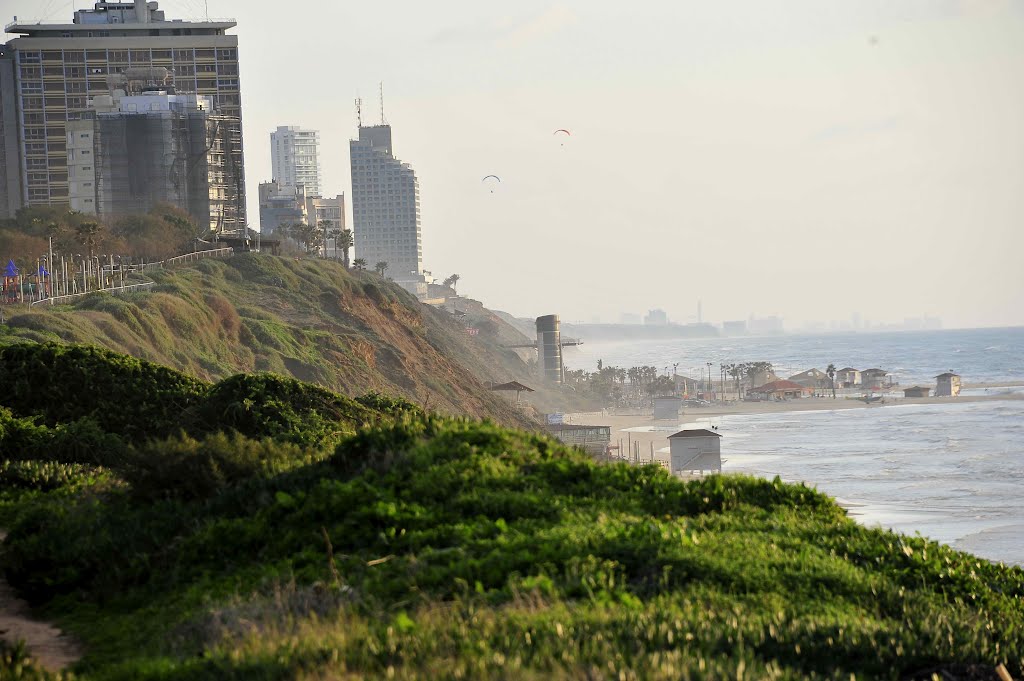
349,331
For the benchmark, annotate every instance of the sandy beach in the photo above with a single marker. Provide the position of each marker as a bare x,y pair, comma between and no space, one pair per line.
638,426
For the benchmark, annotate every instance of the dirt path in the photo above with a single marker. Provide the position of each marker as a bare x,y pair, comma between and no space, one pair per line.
46,644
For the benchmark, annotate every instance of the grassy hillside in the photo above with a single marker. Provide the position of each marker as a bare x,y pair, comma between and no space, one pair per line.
314,320
292,533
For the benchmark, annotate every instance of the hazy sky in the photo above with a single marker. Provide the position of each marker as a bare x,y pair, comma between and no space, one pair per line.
806,158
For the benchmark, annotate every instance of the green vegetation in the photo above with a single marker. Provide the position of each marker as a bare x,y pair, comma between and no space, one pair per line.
347,331
310,536
164,232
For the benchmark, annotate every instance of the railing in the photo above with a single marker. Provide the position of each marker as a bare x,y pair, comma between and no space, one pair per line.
128,288
188,257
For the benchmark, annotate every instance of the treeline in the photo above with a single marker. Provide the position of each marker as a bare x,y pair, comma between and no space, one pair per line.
162,233
619,387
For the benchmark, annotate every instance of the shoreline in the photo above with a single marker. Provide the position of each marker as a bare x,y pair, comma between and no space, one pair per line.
639,426
640,429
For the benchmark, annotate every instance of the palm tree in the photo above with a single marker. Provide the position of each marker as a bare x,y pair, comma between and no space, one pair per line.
333,236
359,263
325,233
87,233
381,267
347,242
830,371
737,371
451,281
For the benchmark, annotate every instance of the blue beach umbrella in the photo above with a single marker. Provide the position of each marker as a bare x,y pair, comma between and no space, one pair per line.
12,269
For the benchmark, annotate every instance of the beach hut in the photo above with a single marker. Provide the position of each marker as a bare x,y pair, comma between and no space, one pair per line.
947,385
667,407
592,439
695,450
848,377
781,390
812,378
875,379
917,391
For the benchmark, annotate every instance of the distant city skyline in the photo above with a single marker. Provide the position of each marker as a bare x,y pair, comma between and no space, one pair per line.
795,158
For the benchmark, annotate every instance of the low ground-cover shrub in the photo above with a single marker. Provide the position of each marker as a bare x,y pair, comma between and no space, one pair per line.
45,476
266,405
188,468
452,548
123,395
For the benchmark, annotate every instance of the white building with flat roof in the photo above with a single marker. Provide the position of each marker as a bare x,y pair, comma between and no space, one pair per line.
295,157
385,206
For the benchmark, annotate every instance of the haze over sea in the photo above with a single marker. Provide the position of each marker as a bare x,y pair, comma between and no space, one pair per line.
952,471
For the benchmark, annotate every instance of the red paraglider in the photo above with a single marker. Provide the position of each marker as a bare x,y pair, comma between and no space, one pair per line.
566,132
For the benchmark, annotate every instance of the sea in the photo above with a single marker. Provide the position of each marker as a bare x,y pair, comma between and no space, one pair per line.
952,470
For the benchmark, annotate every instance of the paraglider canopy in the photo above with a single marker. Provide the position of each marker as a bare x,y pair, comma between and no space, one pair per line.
562,131
493,179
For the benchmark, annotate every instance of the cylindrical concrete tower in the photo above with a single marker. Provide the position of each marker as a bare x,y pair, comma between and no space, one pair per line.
549,348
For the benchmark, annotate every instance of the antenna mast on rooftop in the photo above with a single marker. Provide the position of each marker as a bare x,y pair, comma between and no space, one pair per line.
359,111
383,121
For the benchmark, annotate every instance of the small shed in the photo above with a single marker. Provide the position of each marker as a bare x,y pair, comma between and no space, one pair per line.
593,439
917,391
695,450
667,407
947,385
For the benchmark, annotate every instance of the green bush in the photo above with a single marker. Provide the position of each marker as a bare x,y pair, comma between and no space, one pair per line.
45,476
425,546
267,405
123,395
390,405
198,469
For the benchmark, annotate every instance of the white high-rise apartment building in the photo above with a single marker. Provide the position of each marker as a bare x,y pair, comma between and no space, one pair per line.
50,72
385,206
295,157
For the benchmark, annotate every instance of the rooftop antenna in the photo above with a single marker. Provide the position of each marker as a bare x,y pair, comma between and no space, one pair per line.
383,121
359,111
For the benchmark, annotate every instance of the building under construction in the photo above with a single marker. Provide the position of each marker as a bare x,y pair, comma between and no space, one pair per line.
145,144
